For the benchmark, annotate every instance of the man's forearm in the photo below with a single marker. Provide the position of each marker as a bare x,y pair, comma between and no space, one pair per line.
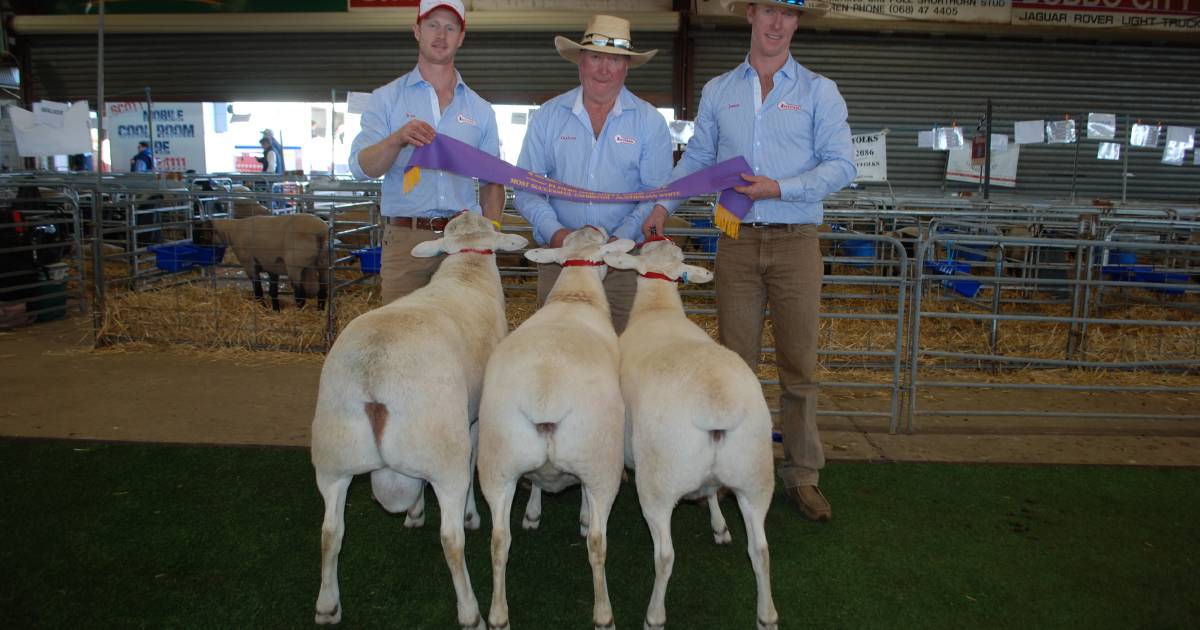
491,199
378,158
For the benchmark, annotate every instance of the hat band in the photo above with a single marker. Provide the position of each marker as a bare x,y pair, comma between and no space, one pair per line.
604,40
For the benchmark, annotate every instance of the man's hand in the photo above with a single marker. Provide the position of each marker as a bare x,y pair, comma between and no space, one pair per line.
655,222
559,236
759,187
416,132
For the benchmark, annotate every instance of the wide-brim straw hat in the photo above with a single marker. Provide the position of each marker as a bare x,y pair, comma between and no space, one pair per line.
812,8
604,34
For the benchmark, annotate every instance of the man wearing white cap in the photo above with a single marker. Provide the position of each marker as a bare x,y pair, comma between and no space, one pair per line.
790,125
601,137
272,157
406,114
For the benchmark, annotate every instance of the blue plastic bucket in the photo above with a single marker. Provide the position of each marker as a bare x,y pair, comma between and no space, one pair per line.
368,259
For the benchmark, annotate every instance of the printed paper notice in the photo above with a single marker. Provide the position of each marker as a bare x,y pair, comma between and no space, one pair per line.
1030,131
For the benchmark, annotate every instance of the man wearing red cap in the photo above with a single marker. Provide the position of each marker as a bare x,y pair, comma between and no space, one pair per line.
406,114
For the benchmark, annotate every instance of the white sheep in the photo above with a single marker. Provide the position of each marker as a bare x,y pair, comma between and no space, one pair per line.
697,421
295,245
552,408
399,393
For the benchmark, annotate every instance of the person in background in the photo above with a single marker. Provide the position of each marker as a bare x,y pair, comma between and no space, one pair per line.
407,113
143,161
601,137
272,157
790,125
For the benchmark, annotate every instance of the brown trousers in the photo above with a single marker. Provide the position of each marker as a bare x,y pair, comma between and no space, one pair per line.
400,272
781,268
620,285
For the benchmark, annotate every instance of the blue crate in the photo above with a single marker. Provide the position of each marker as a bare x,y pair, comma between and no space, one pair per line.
183,255
965,288
858,249
973,252
368,259
1163,277
707,244
1120,257
1125,273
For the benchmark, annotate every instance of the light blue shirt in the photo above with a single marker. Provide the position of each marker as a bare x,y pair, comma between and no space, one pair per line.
468,118
632,153
798,137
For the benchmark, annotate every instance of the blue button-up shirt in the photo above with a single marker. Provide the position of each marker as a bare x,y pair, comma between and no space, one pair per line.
632,153
468,118
798,137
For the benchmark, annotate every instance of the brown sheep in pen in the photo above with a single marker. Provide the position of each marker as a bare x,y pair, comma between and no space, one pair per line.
294,245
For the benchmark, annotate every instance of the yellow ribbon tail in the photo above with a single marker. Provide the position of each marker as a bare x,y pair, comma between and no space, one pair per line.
411,177
726,221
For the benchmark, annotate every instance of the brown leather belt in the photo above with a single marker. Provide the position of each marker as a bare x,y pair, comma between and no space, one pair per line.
419,223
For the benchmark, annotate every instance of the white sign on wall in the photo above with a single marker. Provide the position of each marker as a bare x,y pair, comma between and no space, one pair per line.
178,134
1004,166
978,11
870,156
51,133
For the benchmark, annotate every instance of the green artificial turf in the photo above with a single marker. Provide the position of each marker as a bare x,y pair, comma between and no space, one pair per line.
147,536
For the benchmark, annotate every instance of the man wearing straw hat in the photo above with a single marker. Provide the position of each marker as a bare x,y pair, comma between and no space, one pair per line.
601,137
790,125
406,114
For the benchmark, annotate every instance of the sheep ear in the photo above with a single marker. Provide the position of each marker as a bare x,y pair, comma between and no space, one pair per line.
510,242
428,249
692,273
624,261
618,246
545,255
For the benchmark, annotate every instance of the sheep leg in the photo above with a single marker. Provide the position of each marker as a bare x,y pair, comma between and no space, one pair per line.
416,513
500,501
754,511
720,528
452,500
597,543
472,519
322,288
333,490
273,288
299,294
295,274
584,514
254,270
658,517
533,509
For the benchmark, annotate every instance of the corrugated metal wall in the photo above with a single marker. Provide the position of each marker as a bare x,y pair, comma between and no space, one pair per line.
903,82
503,67
908,83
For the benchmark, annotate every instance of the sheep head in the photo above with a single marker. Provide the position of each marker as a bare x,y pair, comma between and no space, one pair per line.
587,243
469,230
662,257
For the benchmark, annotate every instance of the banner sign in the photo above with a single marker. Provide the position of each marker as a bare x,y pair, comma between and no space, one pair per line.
354,5
870,156
446,153
1004,166
1171,15
977,11
178,134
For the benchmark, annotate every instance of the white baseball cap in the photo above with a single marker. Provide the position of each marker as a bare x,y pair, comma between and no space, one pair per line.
428,6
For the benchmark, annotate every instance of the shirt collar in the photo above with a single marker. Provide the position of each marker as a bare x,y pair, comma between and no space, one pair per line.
790,69
415,78
623,102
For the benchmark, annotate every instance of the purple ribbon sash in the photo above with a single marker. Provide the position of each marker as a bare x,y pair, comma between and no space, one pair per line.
446,153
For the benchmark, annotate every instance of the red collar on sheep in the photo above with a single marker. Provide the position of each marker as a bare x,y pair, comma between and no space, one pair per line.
654,275
472,250
579,262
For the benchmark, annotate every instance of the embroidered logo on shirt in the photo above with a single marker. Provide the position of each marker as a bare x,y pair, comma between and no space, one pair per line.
566,137
619,139
463,120
786,106
410,114
733,105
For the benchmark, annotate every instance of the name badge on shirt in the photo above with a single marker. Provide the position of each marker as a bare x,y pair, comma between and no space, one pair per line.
788,107
619,139
463,120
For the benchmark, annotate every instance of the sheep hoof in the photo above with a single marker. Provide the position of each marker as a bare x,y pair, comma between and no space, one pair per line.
654,626
611,625
583,530
764,625
722,537
413,522
329,618
528,523
472,521
477,625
